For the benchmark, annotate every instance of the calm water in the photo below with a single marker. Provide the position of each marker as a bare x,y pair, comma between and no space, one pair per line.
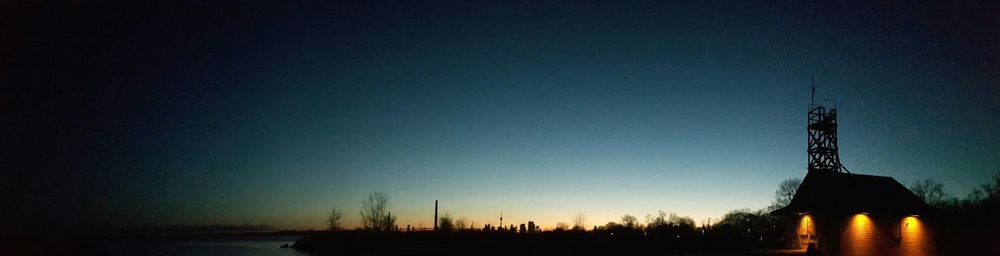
200,246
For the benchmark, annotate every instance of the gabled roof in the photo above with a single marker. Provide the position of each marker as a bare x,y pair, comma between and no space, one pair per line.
845,193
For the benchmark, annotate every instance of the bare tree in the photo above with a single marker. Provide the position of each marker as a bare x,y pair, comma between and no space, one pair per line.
786,191
579,222
932,192
987,194
334,221
629,221
375,215
460,223
660,220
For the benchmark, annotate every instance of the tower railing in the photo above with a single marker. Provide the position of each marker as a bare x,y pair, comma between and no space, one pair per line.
823,151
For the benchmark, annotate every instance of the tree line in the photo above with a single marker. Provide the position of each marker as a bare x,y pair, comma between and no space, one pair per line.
375,216
756,224
983,197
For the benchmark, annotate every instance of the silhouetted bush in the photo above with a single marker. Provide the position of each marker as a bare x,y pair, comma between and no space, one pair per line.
445,223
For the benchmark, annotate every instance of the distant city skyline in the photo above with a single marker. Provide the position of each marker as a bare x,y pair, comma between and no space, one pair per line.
275,113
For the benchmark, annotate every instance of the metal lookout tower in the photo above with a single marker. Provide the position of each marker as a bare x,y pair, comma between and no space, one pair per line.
824,154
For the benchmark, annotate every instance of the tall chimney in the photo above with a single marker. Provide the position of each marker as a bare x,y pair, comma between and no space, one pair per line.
435,215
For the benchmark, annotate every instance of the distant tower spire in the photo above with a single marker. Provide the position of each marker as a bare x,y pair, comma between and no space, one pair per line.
822,128
501,218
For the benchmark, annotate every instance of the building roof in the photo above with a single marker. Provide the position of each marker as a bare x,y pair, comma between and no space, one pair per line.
846,193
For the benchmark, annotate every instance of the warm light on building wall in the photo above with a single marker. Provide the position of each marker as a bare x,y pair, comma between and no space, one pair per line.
806,231
859,236
914,237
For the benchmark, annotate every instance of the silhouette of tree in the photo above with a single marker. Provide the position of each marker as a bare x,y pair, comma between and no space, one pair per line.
334,221
748,224
375,215
460,223
445,223
678,221
660,220
786,191
611,225
993,191
561,226
932,192
579,222
987,195
629,221
669,225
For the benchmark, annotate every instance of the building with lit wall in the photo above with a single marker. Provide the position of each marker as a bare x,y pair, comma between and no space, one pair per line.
835,212
853,214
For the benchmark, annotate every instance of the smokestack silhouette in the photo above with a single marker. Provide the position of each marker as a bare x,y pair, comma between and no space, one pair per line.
435,215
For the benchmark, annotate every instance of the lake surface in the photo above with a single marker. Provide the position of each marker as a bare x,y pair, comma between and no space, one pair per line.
257,245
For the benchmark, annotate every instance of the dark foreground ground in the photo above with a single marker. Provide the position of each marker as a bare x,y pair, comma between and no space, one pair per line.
486,243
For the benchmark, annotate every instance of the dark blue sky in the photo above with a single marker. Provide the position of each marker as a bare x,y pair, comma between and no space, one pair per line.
132,114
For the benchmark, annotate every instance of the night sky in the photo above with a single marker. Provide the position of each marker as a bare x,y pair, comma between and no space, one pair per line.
119,114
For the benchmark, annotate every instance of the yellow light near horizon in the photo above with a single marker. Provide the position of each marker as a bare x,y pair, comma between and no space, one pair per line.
859,237
914,237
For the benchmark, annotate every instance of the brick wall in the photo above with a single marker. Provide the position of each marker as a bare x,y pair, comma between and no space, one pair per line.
860,237
863,235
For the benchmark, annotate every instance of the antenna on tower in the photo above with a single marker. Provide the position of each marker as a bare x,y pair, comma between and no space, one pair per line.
812,98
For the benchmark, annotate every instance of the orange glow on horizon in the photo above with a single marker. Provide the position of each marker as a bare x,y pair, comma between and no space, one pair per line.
859,237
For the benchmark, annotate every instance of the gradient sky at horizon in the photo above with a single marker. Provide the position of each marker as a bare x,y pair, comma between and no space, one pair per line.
274,114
